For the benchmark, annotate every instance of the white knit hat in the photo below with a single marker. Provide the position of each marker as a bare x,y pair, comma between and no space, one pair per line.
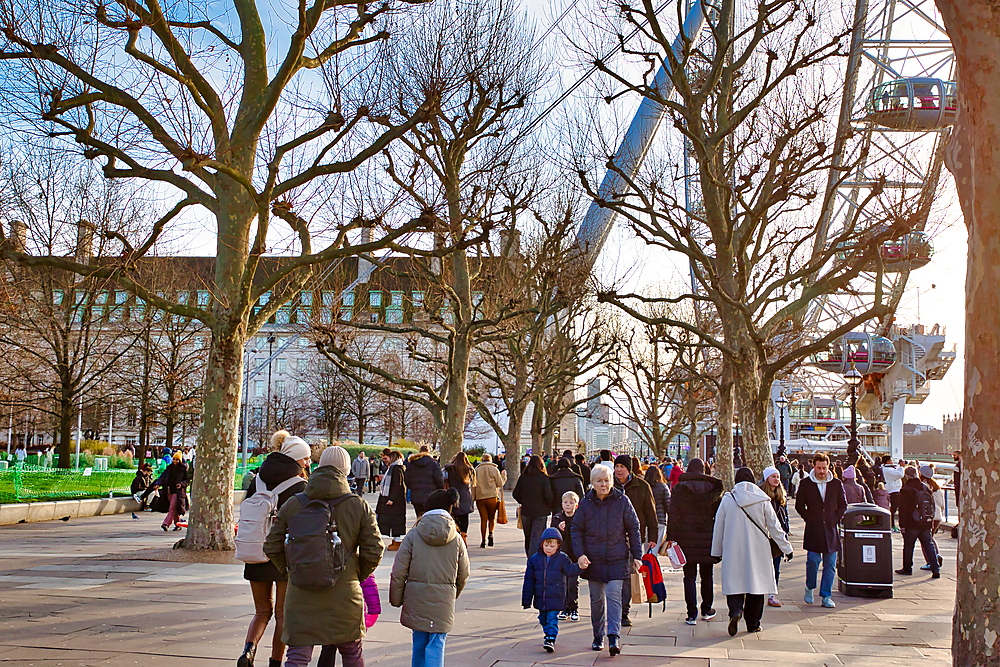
337,457
769,471
296,448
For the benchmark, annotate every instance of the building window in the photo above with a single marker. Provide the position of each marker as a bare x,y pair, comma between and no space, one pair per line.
302,388
394,311
258,388
283,316
327,309
203,297
130,418
303,344
279,388
281,365
375,299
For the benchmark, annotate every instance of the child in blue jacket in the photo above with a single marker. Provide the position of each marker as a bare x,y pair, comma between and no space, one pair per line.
545,582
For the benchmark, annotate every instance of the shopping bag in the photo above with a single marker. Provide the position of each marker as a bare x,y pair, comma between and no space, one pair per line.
502,512
519,518
638,589
674,554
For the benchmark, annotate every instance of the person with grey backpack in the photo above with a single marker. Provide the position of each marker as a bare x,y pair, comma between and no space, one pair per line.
328,542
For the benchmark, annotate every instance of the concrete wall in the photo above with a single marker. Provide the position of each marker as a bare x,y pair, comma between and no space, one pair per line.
74,509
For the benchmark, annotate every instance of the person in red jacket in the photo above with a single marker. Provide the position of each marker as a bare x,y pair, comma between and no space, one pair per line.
675,474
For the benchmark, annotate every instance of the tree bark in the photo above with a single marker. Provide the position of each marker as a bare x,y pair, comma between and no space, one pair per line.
723,468
973,156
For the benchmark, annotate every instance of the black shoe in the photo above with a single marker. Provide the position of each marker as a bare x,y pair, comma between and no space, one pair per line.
734,624
482,545
271,662
936,575
626,623
246,660
549,644
490,540
904,572
614,648
598,644
940,560
164,528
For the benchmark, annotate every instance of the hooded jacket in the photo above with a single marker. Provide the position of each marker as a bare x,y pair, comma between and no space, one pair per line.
638,492
607,533
332,615
691,515
747,566
545,576
275,469
423,477
822,515
908,504
563,480
429,573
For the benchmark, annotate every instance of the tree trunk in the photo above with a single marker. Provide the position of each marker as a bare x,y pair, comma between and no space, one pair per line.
724,432
537,416
973,156
170,416
211,526
65,429
753,422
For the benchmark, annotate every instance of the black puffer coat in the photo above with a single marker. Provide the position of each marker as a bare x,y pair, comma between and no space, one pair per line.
534,494
563,480
607,533
694,501
661,496
423,477
397,494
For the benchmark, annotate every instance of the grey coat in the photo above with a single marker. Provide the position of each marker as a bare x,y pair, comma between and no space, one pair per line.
332,615
429,573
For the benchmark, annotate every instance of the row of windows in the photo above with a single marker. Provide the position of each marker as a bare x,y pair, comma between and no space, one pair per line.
399,306
280,389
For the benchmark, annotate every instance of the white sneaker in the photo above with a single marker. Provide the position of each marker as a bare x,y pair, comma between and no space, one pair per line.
562,616
808,596
574,616
691,620
828,603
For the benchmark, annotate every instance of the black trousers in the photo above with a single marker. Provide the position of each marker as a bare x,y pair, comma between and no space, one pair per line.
927,545
533,527
893,507
750,606
572,595
418,508
691,572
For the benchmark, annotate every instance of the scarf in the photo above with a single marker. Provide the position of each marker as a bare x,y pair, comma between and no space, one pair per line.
387,479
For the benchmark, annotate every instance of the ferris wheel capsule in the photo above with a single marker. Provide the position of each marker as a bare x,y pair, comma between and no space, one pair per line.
870,354
914,104
912,250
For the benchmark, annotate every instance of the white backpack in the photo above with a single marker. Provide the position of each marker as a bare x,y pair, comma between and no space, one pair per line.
256,516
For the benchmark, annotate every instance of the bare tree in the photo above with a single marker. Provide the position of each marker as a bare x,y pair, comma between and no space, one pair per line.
455,172
58,330
750,103
328,392
973,159
243,120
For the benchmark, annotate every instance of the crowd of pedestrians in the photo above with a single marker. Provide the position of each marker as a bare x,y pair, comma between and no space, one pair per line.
311,542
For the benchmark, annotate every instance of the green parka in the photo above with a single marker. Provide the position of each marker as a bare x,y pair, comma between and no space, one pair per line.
332,615
429,573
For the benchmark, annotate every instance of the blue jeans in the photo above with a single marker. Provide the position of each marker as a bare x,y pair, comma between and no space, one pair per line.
927,545
550,623
813,559
777,568
428,649
611,611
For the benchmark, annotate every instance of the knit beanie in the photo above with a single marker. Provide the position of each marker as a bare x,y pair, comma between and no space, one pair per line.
849,473
744,475
291,446
624,460
696,466
442,499
927,471
771,470
910,472
337,457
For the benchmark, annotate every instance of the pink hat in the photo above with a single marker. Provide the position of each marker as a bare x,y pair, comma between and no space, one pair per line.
849,472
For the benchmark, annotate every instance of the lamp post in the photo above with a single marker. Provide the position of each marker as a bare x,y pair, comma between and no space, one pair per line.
782,402
853,379
267,407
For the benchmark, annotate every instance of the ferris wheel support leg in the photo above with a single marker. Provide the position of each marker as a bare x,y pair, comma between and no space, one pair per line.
896,429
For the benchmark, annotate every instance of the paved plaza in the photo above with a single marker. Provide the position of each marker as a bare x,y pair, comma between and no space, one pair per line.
109,591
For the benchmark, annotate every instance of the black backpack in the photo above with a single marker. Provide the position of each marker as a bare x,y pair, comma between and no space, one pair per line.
924,510
315,553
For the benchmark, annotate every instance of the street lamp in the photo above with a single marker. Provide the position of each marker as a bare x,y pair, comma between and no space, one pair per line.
782,403
853,379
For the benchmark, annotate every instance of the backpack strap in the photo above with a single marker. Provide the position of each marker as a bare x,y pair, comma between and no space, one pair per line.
287,484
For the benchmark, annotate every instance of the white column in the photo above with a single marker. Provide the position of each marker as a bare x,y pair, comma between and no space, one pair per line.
111,426
896,429
79,432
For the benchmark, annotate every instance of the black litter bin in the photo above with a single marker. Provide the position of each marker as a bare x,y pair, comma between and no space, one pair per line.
865,567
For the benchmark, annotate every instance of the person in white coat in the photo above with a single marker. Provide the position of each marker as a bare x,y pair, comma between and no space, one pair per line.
893,476
742,524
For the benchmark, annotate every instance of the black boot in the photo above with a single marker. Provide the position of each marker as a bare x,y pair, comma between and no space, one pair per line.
490,542
614,648
482,545
271,662
246,660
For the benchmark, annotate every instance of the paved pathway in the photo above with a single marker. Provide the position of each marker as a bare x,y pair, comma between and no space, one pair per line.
107,591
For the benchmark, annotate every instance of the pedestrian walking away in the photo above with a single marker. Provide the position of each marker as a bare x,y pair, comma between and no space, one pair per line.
916,516
855,491
821,504
487,493
564,479
545,583
423,476
391,506
745,524
324,603
533,493
285,471
640,495
461,476
361,469
428,574
694,501
893,476
784,469
775,491
606,540
661,498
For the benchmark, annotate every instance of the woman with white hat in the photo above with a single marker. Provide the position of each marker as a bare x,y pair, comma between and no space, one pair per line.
775,490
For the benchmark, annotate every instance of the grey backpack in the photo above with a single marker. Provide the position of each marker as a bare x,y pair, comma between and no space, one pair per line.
315,553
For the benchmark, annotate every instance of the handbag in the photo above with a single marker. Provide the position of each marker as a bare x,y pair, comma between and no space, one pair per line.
519,525
775,549
501,512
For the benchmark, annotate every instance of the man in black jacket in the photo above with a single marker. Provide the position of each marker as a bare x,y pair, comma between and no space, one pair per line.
821,503
423,477
694,501
641,496
914,525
